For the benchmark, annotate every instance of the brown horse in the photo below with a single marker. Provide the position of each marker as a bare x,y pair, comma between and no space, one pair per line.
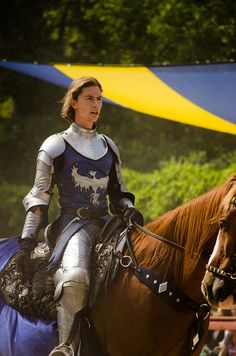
133,319
218,284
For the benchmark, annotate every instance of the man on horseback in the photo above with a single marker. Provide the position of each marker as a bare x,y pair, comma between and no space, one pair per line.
86,168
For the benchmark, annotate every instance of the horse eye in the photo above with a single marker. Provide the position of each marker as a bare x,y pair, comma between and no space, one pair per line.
233,200
223,224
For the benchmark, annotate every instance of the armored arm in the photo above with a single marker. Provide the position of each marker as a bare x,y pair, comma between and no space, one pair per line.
37,200
118,193
121,201
36,205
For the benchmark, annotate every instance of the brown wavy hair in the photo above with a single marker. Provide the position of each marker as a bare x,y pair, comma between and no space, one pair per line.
72,93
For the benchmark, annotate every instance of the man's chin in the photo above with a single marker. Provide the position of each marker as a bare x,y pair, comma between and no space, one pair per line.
95,120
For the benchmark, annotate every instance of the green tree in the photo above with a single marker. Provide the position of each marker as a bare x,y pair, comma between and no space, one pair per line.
121,31
106,31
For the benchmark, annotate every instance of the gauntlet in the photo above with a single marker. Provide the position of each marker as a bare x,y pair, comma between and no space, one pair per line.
23,256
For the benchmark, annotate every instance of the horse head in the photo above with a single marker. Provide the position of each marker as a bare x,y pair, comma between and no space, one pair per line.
218,284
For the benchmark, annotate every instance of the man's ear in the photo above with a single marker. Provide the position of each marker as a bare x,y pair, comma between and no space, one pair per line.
73,104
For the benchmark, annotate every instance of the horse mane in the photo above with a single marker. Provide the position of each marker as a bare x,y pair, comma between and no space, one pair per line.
190,225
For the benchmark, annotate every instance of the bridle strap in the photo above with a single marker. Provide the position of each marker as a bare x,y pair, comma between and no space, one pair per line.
158,237
220,272
175,297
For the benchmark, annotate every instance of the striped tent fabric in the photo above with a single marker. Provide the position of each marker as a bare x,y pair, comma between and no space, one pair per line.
199,95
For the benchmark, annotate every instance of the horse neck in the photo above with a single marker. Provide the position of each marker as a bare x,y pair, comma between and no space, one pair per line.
190,226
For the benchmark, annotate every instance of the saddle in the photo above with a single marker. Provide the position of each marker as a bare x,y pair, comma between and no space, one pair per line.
34,294
105,263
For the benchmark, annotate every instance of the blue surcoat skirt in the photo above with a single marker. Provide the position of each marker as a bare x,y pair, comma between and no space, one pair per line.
20,334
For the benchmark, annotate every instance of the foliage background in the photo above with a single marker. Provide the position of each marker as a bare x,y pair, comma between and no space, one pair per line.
165,163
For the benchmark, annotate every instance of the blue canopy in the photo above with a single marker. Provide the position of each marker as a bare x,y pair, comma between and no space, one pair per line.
198,95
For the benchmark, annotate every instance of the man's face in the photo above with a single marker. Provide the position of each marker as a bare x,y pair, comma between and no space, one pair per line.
88,107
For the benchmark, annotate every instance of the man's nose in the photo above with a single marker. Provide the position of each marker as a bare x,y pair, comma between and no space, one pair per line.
95,103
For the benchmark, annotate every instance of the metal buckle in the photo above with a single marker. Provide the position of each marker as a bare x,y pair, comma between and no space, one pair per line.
125,261
79,212
203,312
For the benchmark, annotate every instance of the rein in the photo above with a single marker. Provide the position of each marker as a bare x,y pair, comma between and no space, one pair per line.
164,240
158,237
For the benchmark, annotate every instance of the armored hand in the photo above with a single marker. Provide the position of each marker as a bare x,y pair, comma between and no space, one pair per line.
134,215
22,258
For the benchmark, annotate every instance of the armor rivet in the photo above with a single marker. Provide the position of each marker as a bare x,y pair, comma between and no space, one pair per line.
147,276
155,281
170,293
177,300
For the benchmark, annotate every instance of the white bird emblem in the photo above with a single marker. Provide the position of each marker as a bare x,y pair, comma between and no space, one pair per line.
84,183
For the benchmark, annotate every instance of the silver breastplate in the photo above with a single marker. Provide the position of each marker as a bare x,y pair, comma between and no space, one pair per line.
86,142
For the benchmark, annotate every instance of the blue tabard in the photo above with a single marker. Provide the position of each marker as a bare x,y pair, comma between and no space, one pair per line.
83,181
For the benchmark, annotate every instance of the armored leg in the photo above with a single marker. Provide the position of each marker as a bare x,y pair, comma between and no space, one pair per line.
72,287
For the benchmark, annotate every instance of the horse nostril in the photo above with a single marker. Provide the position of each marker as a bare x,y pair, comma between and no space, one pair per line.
221,289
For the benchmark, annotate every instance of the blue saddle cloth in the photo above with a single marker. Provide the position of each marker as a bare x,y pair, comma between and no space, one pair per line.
21,335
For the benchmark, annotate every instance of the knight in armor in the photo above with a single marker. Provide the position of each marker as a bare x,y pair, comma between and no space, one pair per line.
85,166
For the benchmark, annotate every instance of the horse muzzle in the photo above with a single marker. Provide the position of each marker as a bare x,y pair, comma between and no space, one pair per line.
218,291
